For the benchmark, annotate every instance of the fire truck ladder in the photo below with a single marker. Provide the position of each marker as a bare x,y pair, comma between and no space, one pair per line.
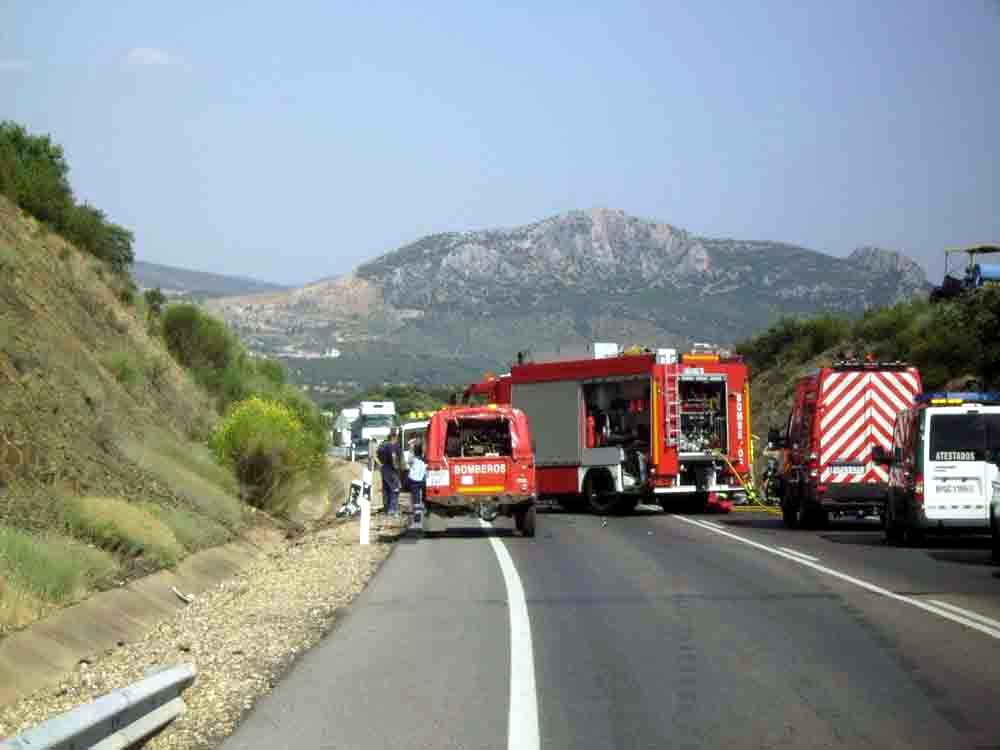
672,397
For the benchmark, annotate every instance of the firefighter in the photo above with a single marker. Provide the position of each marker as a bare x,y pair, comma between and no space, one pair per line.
389,467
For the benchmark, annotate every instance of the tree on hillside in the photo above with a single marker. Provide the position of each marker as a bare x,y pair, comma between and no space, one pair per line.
35,175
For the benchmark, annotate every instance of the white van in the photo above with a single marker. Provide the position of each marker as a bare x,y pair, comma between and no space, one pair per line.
945,451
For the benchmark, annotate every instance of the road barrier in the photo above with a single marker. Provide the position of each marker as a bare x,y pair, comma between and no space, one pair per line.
120,719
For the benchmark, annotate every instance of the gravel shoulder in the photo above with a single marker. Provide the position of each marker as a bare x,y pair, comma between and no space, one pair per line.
241,635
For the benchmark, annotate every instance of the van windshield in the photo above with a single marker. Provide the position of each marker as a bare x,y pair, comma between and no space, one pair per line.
965,437
478,437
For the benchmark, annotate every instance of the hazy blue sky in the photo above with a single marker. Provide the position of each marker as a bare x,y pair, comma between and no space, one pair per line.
291,140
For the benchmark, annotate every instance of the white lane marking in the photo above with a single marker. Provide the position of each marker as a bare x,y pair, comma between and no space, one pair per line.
522,719
713,525
803,555
968,613
940,611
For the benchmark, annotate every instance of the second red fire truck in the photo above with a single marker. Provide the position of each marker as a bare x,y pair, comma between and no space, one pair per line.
622,428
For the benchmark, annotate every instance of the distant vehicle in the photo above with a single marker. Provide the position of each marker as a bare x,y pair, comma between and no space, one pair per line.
376,420
342,427
943,465
480,462
977,275
634,426
839,415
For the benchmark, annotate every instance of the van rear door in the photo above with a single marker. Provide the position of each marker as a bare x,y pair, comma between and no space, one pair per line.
962,447
858,410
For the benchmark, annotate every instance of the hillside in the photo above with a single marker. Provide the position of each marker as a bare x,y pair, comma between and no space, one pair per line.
100,478
945,341
177,282
450,305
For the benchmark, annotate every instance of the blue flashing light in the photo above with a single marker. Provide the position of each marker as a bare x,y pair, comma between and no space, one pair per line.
956,398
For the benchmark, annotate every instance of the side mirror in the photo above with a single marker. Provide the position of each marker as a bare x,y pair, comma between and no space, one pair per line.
880,456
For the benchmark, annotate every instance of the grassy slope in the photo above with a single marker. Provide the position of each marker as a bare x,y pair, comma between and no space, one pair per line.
91,408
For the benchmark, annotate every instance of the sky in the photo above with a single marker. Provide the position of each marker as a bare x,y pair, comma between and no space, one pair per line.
291,141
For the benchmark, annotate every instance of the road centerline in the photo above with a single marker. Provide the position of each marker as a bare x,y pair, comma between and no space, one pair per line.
522,720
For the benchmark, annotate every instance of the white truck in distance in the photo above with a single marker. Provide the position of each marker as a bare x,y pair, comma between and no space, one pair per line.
377,418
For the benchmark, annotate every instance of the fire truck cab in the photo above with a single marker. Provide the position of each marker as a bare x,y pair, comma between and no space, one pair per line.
626,427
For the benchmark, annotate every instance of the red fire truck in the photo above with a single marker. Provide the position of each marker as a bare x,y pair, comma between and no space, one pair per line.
621,428
479,462
839,415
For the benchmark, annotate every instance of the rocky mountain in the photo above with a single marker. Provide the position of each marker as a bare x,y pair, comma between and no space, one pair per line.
182,282
477,297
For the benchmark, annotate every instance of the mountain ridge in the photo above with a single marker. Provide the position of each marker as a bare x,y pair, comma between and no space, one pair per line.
562,281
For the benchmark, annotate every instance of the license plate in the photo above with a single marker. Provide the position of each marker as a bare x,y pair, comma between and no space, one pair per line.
956,489
847,469
437,478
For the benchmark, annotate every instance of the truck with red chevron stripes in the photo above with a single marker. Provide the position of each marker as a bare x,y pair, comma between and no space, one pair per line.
628,426
839,415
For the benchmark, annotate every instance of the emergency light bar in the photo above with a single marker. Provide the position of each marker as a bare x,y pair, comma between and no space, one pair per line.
854,364
957,398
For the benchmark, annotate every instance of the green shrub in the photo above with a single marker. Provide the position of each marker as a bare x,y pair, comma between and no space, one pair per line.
64,253
266,445
126,367
155,299
122,527
8,259
199,341
126,295
51,567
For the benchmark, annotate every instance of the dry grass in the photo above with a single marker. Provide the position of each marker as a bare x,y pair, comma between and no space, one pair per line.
40,570
190,472
18,607
193,531
122,527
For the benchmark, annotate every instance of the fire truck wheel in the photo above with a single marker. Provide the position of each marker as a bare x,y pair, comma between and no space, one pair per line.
528,522
789,514
600,500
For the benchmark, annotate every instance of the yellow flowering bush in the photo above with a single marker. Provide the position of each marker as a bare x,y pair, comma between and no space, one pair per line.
266,444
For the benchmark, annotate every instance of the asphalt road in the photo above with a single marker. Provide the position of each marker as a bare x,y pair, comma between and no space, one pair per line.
657,631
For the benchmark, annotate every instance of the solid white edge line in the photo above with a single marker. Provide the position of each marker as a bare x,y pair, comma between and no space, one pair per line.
803,555
968,613
713,525
940,611
522,719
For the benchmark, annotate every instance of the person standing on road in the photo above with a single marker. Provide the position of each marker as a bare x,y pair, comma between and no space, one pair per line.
418,473
388,457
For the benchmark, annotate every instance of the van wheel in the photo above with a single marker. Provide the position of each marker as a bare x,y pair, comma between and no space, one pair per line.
995,536
894,531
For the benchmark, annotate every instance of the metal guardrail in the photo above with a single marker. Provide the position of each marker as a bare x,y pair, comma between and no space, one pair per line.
114,721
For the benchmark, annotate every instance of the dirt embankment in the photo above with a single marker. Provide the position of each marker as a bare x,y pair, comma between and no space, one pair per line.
242,635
